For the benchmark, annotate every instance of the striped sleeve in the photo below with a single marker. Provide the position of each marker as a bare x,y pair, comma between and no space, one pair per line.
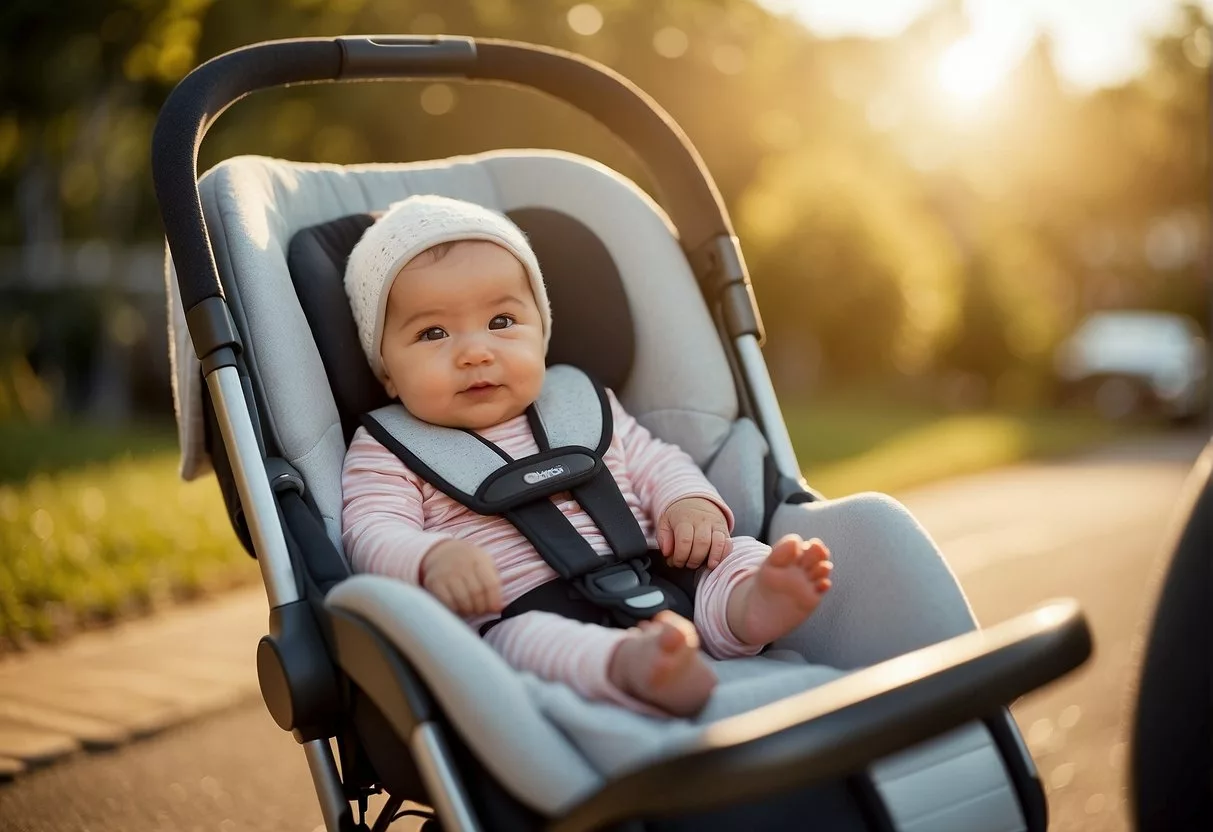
382,522
662,474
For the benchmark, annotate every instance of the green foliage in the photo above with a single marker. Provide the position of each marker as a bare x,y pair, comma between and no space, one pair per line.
882,228
844,255
31,448
81,548
883,233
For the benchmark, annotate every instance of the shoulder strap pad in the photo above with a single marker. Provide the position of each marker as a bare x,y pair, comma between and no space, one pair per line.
460,458
572,411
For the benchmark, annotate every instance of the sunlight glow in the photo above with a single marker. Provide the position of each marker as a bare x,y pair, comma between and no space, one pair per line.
968,72
1094,42
585,19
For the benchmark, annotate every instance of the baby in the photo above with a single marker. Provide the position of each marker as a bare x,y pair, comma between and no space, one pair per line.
453,314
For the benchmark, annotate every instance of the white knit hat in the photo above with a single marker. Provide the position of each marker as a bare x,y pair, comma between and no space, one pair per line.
408,228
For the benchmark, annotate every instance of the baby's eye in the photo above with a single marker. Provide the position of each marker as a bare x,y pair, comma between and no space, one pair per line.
501,322
434,333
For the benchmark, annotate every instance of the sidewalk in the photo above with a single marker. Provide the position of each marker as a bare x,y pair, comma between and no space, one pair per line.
104,689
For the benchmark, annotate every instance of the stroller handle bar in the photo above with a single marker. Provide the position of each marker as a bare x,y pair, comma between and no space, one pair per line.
684,185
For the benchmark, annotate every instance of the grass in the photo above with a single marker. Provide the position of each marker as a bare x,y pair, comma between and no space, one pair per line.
846,446
83,545
96,526
47,447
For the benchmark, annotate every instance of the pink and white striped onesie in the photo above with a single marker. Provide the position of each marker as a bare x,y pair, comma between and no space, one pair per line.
391,517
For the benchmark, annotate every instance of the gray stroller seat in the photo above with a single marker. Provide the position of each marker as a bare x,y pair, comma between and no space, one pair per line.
418,704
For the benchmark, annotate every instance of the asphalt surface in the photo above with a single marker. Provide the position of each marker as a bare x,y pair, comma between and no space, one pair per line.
1098,530
1094,529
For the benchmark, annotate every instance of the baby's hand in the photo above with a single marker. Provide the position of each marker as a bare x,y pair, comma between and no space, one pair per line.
693,529
462,576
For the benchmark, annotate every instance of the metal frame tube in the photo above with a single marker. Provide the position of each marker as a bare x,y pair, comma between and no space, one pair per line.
334,808
253,485
766,405
441,780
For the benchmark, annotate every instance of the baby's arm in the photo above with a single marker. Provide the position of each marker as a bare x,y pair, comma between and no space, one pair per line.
381,515
662,474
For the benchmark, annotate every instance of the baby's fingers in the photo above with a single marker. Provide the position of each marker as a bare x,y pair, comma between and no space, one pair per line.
722,544
665,538
490,586
684,543
477,596
703,543
440,591
462,595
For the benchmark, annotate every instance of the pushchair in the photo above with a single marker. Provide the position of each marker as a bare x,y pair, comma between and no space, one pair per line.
887,710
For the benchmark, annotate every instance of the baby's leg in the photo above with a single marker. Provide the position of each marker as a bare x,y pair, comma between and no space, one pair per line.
758,594
659,662
655,668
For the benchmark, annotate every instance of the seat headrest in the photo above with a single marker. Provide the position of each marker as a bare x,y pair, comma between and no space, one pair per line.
592,325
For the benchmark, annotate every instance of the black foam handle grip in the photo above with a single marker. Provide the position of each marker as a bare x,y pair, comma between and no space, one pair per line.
188,113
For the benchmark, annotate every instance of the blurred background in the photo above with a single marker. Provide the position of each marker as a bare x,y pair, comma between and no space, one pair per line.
978,233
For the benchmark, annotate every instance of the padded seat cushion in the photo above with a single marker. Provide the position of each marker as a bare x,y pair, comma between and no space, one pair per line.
673,377
584,288
572,746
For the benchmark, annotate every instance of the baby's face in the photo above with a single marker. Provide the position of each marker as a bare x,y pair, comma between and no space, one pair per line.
462,337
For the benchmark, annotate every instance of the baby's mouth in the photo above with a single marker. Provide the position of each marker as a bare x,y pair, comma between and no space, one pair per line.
481,387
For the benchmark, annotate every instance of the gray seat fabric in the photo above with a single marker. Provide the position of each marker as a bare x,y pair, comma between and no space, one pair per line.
680,386
572,746
892,592
955,783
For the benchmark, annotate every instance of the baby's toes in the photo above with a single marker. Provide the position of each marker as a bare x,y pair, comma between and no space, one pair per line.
676,632
785,552
819,570
814,551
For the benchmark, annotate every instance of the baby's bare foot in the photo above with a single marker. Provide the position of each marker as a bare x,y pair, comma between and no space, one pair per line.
782,593
660,663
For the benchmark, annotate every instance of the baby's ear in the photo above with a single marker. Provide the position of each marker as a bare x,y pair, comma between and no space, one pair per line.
390,387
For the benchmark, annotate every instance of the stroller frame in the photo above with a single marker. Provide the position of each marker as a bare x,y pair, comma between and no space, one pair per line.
825,733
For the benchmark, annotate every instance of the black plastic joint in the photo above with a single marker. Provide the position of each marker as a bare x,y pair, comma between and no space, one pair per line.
723,262
222,357
402,56
283,476
741,311
298,682
721,272
211,327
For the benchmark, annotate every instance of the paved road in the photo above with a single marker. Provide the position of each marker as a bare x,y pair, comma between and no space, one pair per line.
1093,529
1097,531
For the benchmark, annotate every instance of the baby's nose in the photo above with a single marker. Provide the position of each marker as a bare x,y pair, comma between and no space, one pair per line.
475,351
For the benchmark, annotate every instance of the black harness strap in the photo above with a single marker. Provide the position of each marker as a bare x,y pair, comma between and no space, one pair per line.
617,589
601,498
563,598
556,540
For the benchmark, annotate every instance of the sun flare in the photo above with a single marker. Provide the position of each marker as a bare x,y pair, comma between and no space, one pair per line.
968,72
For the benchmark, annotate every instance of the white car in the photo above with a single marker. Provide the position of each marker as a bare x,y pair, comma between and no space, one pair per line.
1125,363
